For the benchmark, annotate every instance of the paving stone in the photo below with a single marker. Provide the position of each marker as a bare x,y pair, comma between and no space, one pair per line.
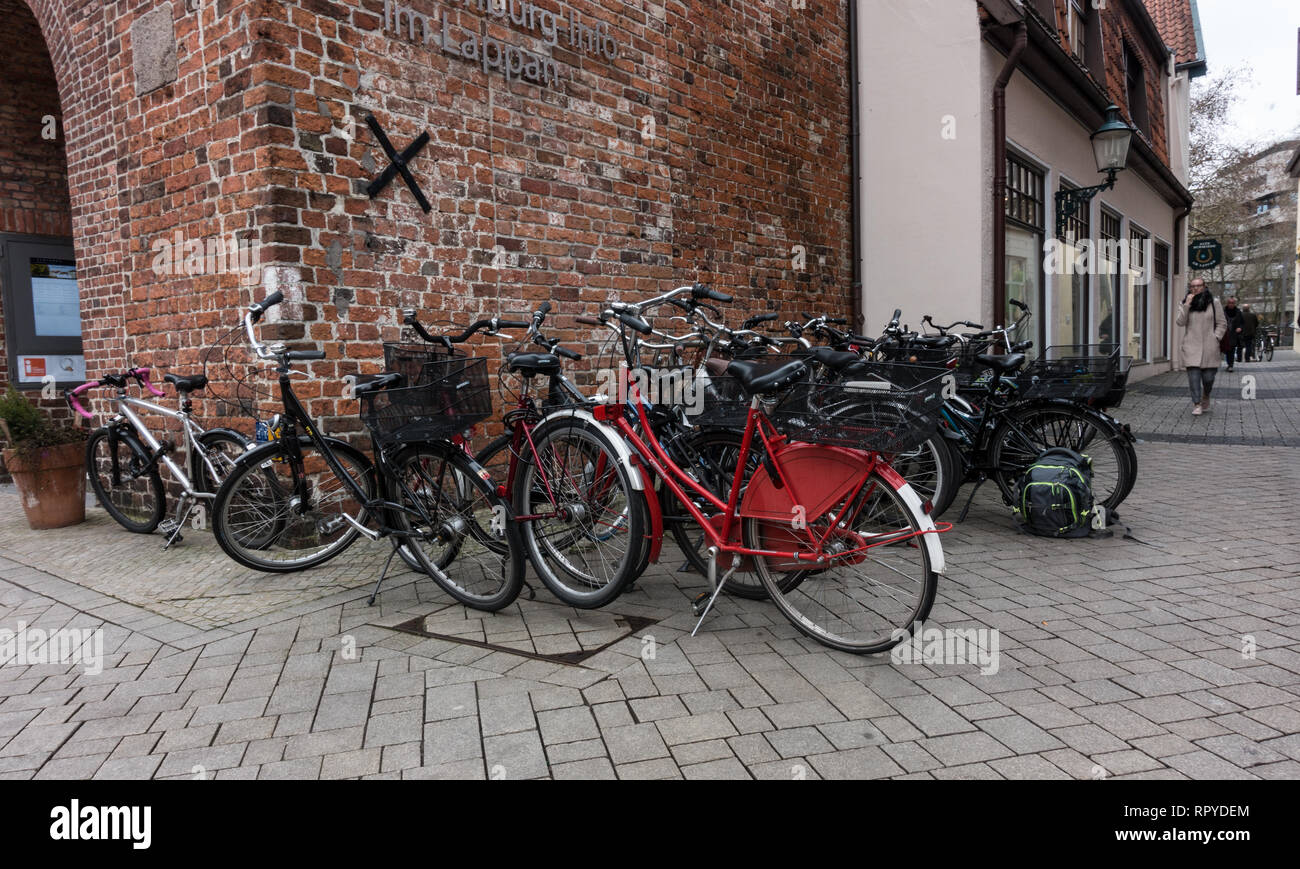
634,743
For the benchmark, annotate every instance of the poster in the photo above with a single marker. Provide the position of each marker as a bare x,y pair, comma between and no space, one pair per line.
66,368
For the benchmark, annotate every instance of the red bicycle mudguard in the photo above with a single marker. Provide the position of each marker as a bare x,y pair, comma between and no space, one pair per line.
822,475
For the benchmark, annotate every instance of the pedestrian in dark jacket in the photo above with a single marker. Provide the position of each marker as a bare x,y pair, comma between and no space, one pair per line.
1249,329
1233,335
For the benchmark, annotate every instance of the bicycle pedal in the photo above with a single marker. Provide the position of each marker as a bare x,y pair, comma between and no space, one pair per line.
169,526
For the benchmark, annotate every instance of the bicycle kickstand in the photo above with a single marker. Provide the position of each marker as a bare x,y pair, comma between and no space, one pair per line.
383,573
716,585
172,527
971,497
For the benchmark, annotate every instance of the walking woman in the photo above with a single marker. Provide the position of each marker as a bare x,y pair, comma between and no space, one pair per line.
1203,322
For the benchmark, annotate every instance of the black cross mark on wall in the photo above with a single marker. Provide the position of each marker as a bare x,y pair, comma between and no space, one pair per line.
397,163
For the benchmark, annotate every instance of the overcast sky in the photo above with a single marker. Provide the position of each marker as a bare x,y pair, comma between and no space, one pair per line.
1263,34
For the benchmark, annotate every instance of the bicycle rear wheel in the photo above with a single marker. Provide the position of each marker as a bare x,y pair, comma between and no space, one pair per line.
133,496
458,517
877,582
587,531
275,515
1026,431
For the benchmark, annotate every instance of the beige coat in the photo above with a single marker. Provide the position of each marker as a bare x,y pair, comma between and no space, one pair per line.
1201,333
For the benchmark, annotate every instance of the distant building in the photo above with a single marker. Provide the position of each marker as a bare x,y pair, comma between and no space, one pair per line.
1257,229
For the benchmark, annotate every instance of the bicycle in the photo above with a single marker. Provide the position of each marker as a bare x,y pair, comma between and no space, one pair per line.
122,456
1264,344
303,498
827,514
580,502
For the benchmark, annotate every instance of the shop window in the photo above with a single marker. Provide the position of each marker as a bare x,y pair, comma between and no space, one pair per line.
1024,249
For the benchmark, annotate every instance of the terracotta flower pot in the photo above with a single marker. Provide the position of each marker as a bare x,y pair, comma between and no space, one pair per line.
52,483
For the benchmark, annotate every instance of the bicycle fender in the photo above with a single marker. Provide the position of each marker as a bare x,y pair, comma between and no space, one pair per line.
656,529
823,476
616,441
229,432
930,539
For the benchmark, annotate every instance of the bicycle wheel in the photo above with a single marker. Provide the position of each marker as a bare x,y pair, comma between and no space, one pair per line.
276,515
457,517
877,580
1025,431
1268,350
133,496
587,536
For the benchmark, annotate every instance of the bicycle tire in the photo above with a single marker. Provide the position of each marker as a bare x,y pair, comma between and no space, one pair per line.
470,525
831,604
1025,430
588,518
138,507
240,516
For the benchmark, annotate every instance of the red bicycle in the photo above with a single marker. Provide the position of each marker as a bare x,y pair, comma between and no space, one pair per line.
838,539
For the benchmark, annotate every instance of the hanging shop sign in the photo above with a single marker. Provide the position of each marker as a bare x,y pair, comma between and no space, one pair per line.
563,28
1204,254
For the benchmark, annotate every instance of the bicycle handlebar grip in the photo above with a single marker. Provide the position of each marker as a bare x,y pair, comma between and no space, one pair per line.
541,312
304,355
1019,304
898,313
589,321
700,291
142,374
512,324
635,323
759,318
259,308
566,353
973,325
71,397
839,321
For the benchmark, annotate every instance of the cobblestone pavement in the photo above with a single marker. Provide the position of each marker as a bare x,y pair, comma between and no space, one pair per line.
1169,652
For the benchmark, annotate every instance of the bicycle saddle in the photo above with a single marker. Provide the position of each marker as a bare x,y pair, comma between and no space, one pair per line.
757,378
368,383
529,364
834,359
186,384
1002,364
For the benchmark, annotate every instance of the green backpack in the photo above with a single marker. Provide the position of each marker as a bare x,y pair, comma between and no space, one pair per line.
1054,495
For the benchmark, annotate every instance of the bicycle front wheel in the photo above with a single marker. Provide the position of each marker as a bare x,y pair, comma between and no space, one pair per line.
455,515
127,488
584,526
277,514
877,581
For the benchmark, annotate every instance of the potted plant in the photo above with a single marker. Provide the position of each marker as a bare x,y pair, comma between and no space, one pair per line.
47,461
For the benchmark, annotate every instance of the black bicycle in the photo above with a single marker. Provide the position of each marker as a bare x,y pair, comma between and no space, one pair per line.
304,498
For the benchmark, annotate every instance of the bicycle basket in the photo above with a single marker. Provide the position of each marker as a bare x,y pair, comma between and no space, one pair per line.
717,400
410,359
1081,372
453,396
888,407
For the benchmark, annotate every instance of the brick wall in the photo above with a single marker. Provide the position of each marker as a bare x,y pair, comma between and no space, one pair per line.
563,191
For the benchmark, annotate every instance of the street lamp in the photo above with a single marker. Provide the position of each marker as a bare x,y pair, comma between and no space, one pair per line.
1110,144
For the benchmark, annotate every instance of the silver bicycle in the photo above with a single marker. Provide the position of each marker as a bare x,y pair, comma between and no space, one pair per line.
123,456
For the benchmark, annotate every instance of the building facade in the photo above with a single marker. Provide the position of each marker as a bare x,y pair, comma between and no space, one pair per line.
165,163
578,151
977,117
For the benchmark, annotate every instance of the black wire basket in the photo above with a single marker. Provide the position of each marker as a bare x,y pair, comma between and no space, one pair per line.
410,359
452,395
888,407
1079,372
718,401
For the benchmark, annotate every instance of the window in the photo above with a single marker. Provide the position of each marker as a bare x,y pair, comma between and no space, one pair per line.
1078,29
1263,207
1069,323
1135,89
1108,280
42,306
1024,248
1138,293
1164,304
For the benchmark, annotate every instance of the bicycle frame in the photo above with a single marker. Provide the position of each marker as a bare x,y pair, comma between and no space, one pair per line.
125,403
653,454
